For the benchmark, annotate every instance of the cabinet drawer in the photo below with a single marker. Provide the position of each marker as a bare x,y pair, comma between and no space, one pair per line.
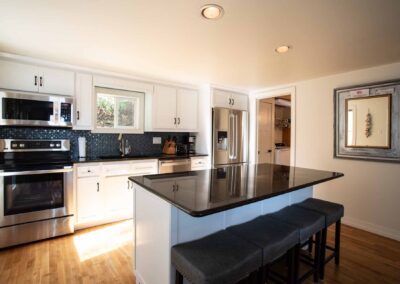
117,169
199,163
144,167
88,171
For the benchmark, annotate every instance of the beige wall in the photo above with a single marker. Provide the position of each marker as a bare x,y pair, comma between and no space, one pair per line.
370,191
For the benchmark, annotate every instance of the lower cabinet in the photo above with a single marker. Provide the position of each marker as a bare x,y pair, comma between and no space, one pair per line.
104,193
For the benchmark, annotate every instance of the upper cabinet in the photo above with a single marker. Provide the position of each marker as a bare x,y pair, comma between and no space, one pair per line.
83,101
30,78
172,109
228,99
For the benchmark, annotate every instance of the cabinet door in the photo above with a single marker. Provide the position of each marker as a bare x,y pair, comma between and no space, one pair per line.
164,107
18,76
83,102
90,200
186,109
239,102
221,99
56,81
118,194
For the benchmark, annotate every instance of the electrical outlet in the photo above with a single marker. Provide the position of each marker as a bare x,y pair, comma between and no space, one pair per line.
156,140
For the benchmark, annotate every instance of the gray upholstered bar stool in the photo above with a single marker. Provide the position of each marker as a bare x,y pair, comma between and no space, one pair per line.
218,258
333,213
275,238
309,223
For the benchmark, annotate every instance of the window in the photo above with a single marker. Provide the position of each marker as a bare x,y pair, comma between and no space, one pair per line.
118,111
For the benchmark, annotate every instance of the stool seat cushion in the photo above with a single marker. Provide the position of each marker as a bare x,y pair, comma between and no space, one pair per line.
273,236
307,221
218,258
332,211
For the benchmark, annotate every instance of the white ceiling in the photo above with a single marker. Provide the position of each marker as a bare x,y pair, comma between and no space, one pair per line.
168,39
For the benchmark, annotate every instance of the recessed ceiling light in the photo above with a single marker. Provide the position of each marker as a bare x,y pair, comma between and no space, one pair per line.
282,48
212,11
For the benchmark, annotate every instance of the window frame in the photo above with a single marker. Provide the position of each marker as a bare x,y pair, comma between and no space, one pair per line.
139,95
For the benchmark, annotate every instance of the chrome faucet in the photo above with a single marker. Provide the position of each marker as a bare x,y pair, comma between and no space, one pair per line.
124,147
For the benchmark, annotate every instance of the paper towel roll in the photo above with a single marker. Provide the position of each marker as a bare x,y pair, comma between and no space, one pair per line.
82,147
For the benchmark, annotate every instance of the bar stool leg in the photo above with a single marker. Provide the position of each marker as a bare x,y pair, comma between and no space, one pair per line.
337,242
317,255
262,275
291,266
310,242
178,277
323,252
296,264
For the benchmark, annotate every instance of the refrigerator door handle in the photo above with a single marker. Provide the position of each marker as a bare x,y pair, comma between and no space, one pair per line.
231,134
236,136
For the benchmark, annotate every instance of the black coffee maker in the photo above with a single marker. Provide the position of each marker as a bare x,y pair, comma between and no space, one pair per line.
191,144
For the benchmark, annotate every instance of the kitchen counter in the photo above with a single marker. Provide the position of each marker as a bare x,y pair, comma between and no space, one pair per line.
135,157
229,187
180,207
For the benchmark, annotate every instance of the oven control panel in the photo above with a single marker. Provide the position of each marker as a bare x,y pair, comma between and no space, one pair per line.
12,145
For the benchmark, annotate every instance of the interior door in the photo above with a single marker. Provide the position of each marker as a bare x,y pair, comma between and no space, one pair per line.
164,107
265,131
186,109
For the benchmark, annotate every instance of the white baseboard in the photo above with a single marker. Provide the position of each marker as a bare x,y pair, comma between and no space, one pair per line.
373,228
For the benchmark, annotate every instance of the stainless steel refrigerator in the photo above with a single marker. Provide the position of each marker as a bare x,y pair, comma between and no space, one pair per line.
230,136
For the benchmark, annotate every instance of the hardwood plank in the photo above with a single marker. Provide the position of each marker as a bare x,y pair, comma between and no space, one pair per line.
104,255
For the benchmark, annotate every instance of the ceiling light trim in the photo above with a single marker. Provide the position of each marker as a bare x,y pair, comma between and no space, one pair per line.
206,11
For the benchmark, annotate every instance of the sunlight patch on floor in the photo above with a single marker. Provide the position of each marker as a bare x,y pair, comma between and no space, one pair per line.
103,240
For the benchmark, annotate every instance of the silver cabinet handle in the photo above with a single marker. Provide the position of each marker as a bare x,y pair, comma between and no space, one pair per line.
98,187
179,120
233,101
35,80
41,81
175,120
77,115
230,101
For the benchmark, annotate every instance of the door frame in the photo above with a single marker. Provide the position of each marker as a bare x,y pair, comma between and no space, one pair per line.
266,94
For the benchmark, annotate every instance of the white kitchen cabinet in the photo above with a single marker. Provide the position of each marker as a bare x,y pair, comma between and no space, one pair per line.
228,99
118,193
32,78
83,101
172,109
199,163
186,109
164,107
56,81
18,76
90,200
104,193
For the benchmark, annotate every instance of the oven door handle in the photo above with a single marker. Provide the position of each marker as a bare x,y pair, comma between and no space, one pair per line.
39,172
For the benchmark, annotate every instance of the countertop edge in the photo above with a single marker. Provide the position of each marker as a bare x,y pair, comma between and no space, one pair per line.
211,211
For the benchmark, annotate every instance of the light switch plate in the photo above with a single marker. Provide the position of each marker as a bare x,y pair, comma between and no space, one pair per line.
156,140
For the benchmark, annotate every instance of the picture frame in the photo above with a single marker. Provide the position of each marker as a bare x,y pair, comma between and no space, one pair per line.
367,122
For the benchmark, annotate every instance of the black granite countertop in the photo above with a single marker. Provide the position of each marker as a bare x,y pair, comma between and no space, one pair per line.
135,157
201,193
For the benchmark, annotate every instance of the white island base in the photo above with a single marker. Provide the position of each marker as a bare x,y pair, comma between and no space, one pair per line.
159,225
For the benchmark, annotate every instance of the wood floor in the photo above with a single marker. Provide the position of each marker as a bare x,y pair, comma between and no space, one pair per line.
104,255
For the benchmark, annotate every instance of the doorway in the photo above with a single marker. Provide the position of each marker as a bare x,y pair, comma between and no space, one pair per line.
274,129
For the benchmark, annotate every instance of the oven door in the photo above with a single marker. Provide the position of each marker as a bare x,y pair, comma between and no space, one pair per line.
28,196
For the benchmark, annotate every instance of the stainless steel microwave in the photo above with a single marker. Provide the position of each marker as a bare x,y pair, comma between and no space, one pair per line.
33,109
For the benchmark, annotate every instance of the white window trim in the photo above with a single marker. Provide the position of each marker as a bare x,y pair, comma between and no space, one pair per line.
125,93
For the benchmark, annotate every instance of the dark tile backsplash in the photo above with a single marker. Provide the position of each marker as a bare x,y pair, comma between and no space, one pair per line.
96,144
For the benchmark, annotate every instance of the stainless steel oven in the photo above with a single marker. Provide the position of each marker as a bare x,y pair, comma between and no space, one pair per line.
32,109
36,199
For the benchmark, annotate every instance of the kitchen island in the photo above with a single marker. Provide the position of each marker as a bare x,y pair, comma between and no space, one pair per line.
180,207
